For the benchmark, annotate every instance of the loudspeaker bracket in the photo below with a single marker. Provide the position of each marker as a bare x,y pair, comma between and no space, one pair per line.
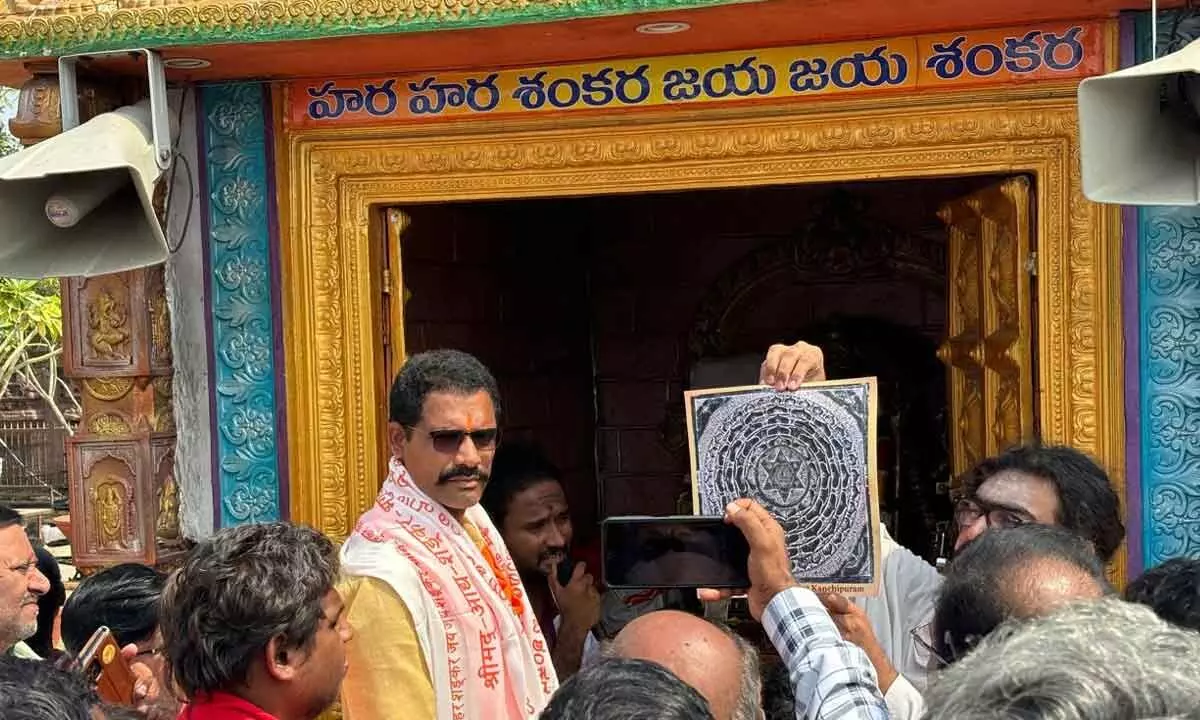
157,78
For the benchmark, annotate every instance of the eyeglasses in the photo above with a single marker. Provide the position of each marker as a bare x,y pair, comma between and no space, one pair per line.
969,510
155,651
936,660
449,441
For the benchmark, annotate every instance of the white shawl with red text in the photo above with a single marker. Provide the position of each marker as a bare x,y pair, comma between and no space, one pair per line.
485,661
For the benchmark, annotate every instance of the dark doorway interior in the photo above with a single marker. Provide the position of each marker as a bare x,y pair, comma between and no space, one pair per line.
597,313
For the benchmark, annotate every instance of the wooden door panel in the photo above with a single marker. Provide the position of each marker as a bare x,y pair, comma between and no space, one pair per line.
389,313
988,351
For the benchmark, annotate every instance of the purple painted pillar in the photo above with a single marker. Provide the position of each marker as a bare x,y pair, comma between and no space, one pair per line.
1131,322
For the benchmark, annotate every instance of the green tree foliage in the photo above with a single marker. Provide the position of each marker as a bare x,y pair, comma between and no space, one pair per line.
31,341
8,107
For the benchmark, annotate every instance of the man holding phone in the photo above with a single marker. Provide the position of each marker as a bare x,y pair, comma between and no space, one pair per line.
830,676
526,501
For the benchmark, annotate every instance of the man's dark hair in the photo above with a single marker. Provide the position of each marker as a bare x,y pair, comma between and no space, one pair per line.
779,702
450,371
124,598
517,466
623,689
978,595
235,592
42,641
10,517
33,690
1172,590
1087,504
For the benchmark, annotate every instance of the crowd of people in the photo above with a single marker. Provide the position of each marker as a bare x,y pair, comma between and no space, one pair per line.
460,596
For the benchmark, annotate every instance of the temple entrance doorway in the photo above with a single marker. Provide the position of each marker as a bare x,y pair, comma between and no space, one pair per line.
596,313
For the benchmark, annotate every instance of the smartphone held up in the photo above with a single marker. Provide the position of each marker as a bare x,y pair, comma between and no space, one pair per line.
673,552
102,663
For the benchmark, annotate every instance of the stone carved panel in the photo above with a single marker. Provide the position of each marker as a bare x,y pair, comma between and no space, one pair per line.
108,423
117,325
105,489
164,409
117,498
166,493
123,405
334,181
39,114
243,319
1169,248
158,322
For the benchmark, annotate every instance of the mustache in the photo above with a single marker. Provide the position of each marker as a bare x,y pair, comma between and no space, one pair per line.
459,472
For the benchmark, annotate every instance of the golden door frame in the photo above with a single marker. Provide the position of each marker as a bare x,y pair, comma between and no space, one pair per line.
335,181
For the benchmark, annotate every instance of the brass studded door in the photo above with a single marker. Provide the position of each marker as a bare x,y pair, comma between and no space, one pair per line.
989,353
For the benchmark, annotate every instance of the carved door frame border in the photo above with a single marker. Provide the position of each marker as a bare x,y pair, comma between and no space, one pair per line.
335,180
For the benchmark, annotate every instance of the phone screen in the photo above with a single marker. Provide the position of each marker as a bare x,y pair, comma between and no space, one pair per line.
565,570
674,552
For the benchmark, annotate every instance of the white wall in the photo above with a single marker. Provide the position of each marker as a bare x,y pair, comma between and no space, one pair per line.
188,301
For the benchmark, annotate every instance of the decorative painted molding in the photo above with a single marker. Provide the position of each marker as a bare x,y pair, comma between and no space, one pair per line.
1169,348
1169,242
59,27
334,179
243,322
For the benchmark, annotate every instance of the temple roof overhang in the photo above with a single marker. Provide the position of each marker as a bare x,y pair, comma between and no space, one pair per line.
305,38
33,28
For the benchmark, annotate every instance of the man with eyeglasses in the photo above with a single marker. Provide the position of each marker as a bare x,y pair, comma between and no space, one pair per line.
125,599
444,628
1050,485
21,584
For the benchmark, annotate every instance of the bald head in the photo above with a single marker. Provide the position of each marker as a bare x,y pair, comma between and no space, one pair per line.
1042,585
1012,573
698,652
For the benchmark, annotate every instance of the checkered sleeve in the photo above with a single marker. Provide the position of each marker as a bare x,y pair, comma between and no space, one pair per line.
832,679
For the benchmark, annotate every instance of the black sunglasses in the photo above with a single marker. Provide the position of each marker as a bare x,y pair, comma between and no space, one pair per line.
449,441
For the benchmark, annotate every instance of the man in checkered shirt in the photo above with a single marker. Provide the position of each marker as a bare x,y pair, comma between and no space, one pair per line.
832,679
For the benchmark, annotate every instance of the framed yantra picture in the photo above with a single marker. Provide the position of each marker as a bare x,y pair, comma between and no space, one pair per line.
809,457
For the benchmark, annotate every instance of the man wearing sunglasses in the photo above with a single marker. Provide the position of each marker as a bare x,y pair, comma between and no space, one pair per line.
444,628
1050,485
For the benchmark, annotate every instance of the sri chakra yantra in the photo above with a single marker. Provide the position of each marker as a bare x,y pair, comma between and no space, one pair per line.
803,456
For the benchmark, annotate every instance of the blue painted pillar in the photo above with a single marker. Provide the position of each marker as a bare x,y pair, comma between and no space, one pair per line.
1169,289
1168,272
242,274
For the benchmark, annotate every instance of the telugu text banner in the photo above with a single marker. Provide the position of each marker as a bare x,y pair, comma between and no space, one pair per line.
990,57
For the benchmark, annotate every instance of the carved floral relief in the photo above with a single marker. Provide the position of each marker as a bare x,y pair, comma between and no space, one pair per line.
1170,340
244,321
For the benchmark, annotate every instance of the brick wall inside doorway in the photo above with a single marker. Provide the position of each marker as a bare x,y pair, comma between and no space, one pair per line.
488,278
